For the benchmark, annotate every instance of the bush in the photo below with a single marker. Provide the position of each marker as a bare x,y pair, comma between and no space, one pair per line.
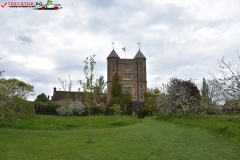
16,109
181,97
109,111
70,107
48,109
96,110
145,112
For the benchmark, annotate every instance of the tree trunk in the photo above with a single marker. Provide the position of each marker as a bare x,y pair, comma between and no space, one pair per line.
89,126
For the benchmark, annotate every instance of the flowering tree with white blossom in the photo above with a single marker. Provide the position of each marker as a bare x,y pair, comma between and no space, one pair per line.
70,107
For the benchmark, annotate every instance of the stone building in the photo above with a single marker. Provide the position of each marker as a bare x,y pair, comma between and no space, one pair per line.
132,74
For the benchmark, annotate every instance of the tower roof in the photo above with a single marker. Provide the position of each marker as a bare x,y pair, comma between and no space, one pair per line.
139,55
113,54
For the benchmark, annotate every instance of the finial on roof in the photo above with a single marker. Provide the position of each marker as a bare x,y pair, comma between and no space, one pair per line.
113,54
113,44
139,55
139,45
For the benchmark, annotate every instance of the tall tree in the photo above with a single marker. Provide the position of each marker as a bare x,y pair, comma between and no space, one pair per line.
65,103
89,87
10,88
117,95
230,80
13,95
205,88
150,98
211,92
116,91
100,84
42,98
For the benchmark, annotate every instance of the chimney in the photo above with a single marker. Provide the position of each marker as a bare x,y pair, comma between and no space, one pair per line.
48,97
54,92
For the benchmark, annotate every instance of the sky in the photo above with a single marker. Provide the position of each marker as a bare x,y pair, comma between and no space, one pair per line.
179,38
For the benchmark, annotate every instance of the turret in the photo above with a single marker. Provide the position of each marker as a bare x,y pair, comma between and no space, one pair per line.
112,68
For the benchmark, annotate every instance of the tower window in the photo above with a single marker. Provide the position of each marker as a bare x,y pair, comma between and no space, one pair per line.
113,70
141,86
127,76
127,66
141,97
140,71
127,90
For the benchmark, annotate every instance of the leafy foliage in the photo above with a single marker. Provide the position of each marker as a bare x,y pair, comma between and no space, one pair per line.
100,84
117,109
151,96
46,108
17,109
181,97
10,88
117,95
205,88
13,95
42,98
211,97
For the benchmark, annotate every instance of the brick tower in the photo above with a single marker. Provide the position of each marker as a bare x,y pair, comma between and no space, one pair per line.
132,74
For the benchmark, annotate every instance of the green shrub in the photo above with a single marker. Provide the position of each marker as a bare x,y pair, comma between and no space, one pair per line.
145,112
109,111
48,109
16,109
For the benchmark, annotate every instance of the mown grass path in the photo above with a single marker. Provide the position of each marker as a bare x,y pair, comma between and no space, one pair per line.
148,140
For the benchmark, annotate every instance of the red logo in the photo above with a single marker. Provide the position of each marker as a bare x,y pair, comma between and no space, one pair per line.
4,5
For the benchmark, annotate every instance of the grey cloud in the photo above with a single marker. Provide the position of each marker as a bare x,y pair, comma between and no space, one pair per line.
25,39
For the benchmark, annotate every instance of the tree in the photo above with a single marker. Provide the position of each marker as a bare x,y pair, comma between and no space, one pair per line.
228,84
205,88
90,96
230,79
13,95
116,91
150,97
42,98
100,84
10,88
181,97
212,97
117,95
67,107
70,107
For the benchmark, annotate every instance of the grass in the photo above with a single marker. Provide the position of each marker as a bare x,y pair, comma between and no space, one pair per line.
224,125
72,122
138,139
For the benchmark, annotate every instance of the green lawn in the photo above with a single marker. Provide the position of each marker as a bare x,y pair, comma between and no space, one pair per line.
224,125
114,138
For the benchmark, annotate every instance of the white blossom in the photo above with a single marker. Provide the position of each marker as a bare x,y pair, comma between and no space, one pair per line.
69,107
